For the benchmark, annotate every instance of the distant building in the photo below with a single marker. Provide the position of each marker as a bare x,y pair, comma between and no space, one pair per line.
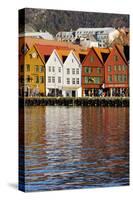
102,39
65,36
88,37
44,35
89,41
101,35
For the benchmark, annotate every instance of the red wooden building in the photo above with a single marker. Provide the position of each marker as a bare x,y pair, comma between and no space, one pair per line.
116,73
93,71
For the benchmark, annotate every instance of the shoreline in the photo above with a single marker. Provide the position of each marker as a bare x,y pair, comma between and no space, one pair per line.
75,101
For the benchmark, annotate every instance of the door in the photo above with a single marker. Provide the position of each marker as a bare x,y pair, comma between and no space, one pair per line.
73,93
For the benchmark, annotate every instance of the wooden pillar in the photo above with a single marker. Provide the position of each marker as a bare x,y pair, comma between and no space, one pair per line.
111,92
92,92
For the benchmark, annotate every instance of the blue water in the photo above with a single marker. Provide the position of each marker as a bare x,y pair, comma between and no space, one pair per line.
76,147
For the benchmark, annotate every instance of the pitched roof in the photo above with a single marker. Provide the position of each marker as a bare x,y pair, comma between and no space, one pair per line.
63,54
44,49
30,41
120,49
102,53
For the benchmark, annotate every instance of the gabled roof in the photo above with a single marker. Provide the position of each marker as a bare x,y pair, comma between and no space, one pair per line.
120,49
57,55
44,50
63,54
76,55
102,53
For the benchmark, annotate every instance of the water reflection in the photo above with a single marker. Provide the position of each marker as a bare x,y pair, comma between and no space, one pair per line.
76,147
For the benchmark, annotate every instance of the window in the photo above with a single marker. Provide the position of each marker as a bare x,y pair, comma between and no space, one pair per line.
36,68
24,49
119,67
77,71
59,69
49,79
91,59
116,77
115,58
41,79
115,68
119,78
98,70
88,70
109,68
124,67
53,69
22,68
110,78
77,80
49,69
72,60
21,79
68,80
68,71
73,80
73,70
93,80
53,79
27,78
27,67
59,79
97,79
41,68
36,79
124,77
86,79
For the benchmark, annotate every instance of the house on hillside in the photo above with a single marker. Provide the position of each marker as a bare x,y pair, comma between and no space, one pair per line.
67,36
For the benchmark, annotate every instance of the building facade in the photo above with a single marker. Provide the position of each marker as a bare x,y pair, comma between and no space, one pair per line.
92,73
32,74
54,71
116,73
72,76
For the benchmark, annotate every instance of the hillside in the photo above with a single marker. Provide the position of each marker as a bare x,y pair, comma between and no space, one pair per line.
54,21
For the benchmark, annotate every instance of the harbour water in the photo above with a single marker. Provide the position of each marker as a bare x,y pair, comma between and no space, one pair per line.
76,147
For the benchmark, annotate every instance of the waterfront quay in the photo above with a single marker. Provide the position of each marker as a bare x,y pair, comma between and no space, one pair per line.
71,101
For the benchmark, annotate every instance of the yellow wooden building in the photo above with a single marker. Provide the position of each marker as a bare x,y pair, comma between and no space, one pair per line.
31,73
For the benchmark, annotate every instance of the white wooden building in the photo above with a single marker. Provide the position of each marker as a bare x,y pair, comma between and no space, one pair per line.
72,76
54,67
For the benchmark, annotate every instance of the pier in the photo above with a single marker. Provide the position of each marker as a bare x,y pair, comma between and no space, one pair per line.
72,101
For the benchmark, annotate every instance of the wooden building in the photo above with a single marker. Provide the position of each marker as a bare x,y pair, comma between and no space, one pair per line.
93,74
116,73
31,73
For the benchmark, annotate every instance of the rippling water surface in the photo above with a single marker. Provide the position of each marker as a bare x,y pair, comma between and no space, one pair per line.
76,147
